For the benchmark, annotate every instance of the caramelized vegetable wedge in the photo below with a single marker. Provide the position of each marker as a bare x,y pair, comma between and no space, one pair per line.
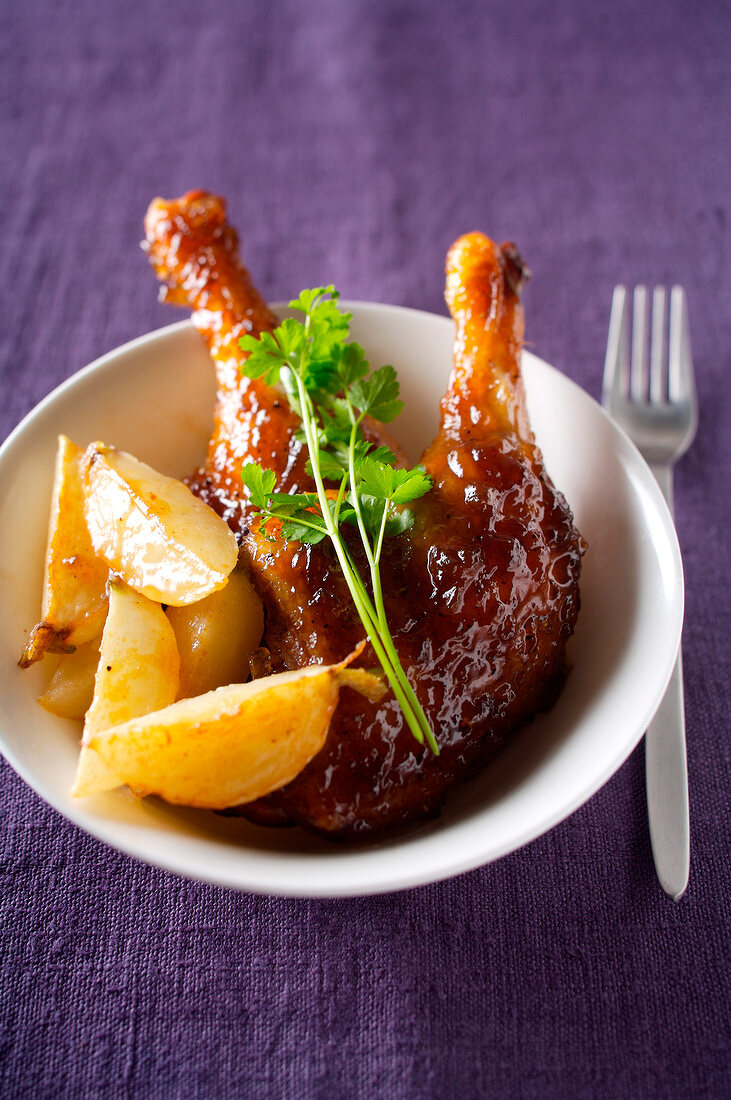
150,529
71,689
74,600
217,635
232,745
138,672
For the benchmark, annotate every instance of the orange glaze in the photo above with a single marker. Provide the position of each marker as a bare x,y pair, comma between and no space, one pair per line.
481,595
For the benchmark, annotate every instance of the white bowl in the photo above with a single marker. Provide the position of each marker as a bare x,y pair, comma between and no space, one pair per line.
154,397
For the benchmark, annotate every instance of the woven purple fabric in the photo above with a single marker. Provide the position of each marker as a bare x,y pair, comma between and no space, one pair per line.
354,140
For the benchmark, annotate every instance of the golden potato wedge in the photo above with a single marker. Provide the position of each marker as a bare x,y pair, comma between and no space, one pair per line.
74,601
232,745
152,531
217,635
137,672
71,688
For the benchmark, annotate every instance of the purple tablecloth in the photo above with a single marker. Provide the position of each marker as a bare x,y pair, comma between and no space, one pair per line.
354,141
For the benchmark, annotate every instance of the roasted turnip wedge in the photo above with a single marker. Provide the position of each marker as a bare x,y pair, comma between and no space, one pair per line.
138,672
150,529
232,745
74,600
217,635
71,689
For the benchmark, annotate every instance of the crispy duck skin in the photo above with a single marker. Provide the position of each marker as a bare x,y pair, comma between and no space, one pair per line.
483,592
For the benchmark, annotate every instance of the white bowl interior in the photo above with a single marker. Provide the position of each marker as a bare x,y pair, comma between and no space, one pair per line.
154,397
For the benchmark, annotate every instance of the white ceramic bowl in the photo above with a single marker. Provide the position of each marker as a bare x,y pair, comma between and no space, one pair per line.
154,397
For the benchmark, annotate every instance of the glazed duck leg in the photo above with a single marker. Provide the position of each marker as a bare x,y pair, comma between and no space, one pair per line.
482,592
195,255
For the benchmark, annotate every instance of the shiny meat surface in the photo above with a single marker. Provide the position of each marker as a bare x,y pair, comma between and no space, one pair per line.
483,593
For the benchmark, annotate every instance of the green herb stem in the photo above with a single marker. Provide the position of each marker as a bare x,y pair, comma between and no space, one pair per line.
375,624
380,610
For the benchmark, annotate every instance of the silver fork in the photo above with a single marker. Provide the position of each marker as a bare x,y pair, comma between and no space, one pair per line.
652,397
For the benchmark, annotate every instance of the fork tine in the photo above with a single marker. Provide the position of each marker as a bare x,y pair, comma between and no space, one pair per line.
616,364
638,369
680,379
657,346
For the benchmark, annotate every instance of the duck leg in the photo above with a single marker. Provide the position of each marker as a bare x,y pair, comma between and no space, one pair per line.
482,592
195,255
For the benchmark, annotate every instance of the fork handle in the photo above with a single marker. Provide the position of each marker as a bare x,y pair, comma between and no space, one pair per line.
666,768
666,774
664,478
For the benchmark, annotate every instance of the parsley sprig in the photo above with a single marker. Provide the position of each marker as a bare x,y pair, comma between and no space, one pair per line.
329,384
